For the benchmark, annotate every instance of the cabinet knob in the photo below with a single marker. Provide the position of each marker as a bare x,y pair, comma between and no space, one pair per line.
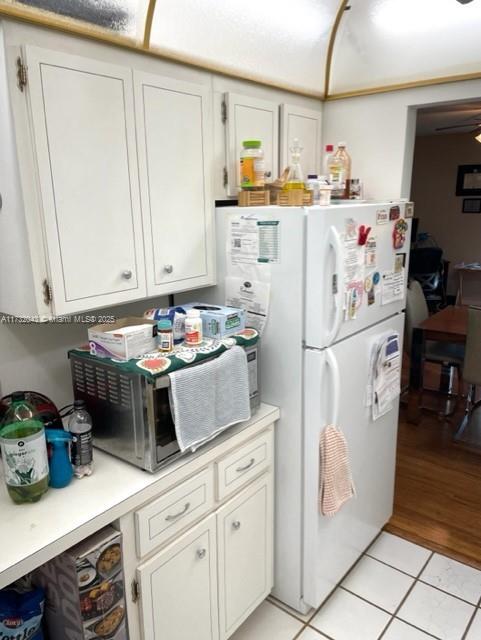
168,268
236,525
127,274
201,553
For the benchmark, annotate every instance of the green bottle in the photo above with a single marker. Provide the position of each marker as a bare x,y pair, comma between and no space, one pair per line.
24,452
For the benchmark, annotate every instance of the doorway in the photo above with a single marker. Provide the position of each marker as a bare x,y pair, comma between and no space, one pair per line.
438,481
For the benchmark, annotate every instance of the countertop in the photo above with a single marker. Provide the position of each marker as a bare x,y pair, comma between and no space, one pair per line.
34,533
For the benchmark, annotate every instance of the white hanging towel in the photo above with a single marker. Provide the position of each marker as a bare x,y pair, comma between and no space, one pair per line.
208,398
335,480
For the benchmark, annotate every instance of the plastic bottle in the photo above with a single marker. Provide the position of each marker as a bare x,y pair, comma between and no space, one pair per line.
252,166
80,426
24,451
340,171
193,328
165,335
329,151
295,179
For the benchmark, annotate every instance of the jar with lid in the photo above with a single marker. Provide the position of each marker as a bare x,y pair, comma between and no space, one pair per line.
312,184
252,166
165,335
325,191
193,328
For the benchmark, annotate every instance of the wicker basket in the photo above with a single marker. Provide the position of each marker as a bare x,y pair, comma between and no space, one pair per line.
254,198
293,198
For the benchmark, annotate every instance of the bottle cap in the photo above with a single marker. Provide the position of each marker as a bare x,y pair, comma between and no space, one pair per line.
17,396
79,404
341,144
252,144
164,324
329,147
311,176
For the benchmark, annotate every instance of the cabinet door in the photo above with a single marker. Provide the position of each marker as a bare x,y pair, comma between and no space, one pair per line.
178,588
250,118
304,124
175,147
82,114
245,533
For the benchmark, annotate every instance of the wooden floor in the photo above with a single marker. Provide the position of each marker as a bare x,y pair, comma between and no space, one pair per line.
438,489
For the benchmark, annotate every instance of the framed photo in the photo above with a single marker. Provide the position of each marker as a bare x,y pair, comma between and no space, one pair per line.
472,205
468,182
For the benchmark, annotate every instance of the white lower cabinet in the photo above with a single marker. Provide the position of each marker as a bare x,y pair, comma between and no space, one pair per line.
244,531
210,578
178,588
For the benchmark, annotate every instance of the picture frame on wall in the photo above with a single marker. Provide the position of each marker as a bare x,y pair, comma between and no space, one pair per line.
468,182
472,205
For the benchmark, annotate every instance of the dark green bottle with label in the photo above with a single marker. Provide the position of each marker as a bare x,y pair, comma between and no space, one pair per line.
24,452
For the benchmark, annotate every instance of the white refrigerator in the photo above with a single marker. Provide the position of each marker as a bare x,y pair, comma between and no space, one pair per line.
315,359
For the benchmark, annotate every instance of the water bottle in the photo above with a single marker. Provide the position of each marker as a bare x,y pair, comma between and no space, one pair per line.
80,426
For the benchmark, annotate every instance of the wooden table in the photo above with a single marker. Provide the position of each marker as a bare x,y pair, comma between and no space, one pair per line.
448,325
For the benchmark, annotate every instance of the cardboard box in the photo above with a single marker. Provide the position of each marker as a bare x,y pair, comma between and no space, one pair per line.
218,321
85,591
124,339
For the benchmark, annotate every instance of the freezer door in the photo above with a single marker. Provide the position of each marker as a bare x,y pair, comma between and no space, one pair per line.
335,267
335,393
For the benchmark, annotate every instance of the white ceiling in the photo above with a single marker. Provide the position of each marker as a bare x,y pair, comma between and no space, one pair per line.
431,119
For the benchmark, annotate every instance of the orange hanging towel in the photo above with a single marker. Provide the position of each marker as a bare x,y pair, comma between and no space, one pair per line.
335,480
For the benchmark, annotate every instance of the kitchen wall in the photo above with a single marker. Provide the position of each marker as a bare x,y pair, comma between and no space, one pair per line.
34,356
380,131
436,160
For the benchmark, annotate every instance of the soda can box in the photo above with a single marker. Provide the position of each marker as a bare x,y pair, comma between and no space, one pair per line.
85,590
123,339
218,321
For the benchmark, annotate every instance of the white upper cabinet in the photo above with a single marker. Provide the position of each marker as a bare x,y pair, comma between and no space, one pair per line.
174,124
250,118
305,125
82,115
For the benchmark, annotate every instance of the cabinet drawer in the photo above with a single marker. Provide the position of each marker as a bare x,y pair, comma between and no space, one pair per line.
172,512
243,464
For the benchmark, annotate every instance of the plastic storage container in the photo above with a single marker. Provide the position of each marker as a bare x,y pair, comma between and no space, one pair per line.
252,166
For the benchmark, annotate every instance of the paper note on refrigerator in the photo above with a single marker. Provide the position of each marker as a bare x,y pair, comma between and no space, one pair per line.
252,240
384,384
251,295
392,286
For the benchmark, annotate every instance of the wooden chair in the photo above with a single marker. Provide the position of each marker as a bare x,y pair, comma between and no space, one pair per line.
472,367
469,286
441,353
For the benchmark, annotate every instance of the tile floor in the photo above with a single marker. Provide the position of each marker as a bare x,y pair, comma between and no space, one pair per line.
397,591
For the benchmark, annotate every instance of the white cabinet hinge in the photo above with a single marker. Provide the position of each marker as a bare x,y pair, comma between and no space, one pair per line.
225,177
47,292
224,111
135,591
21,74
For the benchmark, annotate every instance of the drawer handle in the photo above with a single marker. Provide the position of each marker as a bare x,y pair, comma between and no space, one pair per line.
201,553
247,466
178,515
236,525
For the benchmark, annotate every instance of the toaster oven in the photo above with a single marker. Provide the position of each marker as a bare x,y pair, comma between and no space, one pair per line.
131,414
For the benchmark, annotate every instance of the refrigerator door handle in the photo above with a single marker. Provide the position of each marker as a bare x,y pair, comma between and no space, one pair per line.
336,385
337,284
